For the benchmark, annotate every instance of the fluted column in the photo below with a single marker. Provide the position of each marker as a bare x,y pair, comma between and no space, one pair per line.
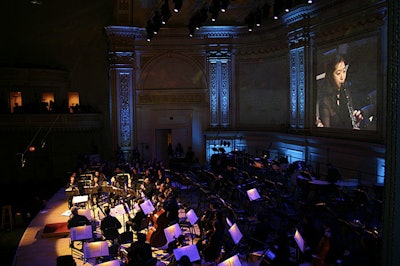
219,86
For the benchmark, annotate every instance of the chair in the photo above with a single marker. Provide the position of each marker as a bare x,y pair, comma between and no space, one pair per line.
111,234
144,225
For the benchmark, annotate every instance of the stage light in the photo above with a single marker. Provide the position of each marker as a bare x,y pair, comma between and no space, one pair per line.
258,17
150,30
165,13
32,148
156,22
214,9
178,5
310,1
224,5
250,21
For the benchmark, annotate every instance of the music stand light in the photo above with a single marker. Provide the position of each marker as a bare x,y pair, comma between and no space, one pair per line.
232,261
253,194
192,217
189,250
228,221
235,233
147,206
95,249
172,232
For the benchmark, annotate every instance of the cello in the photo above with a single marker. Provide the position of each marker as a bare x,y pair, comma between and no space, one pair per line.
155,236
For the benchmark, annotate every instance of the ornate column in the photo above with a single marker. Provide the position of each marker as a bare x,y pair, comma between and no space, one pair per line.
122,114
219,86
299,43
122,87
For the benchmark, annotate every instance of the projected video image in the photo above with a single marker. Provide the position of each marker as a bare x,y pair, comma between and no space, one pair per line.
347,84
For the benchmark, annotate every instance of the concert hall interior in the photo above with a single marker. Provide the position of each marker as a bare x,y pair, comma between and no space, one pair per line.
199,132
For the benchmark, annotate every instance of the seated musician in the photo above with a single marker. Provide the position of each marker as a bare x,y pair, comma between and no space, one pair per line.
206,219
136,221
171,207
140,253
72,185
77,219
109,226
148,188
211,246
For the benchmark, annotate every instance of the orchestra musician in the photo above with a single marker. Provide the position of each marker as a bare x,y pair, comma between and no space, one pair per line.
135,222
76,219
148,188
72,186
109,225
206,219
210,246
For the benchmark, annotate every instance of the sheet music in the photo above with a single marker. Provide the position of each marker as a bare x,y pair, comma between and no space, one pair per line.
147,207
96,249
192,217
81,232
172,232
190,251
235,233
232,261
253,194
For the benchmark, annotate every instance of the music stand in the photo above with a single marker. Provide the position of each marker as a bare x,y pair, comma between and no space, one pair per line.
83,232
172,232
80,199
147,206
110,263
85,212
253,194
80,233
235,233
232,261
118,211
192,217
189,250
95,249
228,221
299,241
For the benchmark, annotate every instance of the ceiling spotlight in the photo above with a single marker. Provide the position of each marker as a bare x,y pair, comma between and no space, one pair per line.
165,13
157,21
214,9
258,17
224,5
178,5
150,30
36,2
309,1
250,21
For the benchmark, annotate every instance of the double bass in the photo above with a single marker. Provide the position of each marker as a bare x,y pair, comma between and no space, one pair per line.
156,236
